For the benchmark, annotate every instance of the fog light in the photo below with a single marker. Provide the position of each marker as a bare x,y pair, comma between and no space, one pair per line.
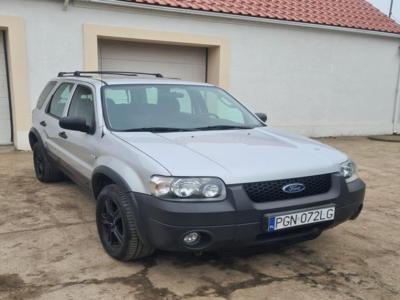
191,238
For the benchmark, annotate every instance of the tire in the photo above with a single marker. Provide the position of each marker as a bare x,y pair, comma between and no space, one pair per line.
45,170
116,224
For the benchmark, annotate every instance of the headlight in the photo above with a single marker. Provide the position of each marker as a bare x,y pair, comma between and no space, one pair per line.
188,188
348,170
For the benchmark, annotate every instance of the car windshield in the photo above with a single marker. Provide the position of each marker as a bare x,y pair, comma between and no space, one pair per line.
167,107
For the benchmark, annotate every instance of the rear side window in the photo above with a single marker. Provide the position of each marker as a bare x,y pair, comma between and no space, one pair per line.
45,93
60,99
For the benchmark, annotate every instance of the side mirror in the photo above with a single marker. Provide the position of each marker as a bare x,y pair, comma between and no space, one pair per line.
262,116
76,124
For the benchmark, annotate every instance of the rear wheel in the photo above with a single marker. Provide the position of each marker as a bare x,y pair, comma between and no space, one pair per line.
45,170
116,224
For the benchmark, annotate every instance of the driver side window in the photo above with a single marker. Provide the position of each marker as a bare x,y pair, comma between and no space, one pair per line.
82,105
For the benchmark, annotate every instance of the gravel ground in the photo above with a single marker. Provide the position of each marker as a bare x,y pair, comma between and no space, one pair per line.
49,247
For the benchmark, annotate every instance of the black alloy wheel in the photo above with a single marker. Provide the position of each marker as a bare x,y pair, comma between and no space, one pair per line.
112,226
38,161
117,225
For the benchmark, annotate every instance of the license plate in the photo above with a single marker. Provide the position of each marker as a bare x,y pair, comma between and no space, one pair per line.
297,218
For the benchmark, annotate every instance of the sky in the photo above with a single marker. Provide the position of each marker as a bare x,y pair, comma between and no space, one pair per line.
384,6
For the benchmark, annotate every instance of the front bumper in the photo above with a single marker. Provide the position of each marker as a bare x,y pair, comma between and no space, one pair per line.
238,221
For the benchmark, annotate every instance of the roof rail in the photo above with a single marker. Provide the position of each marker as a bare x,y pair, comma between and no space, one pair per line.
122,73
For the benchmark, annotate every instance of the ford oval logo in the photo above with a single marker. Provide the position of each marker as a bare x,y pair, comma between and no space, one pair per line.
293,188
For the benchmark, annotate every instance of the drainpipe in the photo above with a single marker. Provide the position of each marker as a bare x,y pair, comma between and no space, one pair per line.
396,112
391,8
66,3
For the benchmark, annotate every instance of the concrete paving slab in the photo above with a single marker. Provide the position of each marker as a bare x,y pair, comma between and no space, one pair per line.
49,248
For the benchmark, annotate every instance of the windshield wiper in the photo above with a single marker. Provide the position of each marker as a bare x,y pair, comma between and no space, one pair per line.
222,127
155,129
173,129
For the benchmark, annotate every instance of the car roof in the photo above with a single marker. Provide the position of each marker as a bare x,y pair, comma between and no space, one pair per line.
129,80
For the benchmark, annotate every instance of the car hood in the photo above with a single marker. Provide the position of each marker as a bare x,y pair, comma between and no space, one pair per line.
237,156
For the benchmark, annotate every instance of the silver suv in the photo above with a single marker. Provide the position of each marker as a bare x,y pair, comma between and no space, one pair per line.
183,166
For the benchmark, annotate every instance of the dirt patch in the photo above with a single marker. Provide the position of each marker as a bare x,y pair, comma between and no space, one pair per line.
68,206
10,281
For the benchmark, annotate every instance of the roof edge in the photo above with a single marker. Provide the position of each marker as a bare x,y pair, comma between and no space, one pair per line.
242,17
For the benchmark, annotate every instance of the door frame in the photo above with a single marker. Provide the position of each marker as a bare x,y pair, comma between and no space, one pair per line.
17,64
218,49
3,36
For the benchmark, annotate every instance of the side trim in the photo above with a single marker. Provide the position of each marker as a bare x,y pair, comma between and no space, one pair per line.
72,173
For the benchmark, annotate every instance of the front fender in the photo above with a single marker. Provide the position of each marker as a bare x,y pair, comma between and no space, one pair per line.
121,173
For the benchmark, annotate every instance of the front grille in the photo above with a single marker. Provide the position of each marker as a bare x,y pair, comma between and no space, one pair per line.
272,190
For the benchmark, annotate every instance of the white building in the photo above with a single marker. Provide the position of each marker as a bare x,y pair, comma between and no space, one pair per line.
319,68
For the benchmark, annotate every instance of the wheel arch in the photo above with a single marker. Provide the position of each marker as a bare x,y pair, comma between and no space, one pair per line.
103,176
34,137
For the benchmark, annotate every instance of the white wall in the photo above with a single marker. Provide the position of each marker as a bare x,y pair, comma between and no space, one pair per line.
315,82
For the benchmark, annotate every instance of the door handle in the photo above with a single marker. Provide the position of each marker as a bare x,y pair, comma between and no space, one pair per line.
43,123
63,135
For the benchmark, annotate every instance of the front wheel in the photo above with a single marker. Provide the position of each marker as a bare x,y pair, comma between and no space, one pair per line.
116,224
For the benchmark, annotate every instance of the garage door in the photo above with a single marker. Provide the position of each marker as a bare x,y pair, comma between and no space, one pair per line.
5,120
188,63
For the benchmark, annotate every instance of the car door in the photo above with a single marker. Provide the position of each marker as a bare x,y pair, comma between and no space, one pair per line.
80,145
55,110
